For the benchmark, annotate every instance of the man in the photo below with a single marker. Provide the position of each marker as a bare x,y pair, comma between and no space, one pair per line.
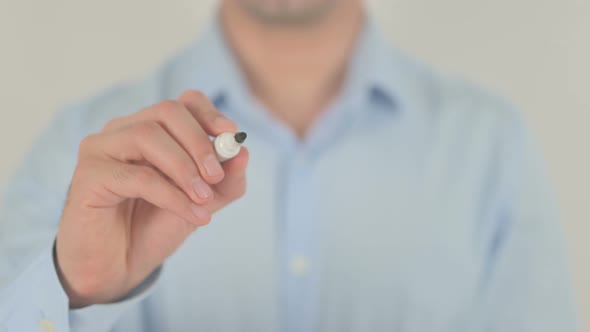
381,195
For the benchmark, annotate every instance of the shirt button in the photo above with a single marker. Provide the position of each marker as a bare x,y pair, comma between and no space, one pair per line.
46,326
299,266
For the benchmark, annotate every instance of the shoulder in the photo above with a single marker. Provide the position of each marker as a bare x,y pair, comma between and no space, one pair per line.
451,113
440,97
164,82
455,107
459,96
461,104
121,99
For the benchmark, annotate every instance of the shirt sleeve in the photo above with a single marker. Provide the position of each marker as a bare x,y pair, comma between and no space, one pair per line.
31,295
37,298
527,284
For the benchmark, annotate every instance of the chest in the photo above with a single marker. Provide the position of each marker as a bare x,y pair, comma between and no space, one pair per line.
390,247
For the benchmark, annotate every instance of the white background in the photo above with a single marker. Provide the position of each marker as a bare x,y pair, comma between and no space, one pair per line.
537,52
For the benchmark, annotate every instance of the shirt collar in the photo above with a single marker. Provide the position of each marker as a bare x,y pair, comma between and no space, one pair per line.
371,73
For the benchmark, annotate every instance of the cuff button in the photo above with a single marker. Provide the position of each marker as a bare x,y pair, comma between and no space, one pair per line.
46,326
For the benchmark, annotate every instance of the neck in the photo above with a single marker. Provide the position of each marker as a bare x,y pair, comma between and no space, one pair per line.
294,70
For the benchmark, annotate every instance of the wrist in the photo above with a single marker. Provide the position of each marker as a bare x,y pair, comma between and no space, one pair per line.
84,289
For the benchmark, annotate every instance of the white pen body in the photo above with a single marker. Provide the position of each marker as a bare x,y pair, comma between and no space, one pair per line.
226,147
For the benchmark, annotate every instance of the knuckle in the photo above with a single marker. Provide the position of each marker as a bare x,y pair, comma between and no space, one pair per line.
186,167
86,165
210,117
146,130
194,95
143,175
205,220
87,144
167,106
111,124
84,173
121,173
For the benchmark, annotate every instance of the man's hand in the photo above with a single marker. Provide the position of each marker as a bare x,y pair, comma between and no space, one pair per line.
141,186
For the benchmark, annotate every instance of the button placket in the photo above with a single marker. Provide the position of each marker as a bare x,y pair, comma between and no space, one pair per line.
299,244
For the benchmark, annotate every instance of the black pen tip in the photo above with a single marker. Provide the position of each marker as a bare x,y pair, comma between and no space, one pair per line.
240,137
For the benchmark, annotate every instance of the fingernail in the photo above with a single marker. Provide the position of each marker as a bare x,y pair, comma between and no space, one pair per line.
200,212
202,189
212,166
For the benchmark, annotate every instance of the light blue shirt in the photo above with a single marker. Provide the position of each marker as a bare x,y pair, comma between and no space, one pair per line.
416,203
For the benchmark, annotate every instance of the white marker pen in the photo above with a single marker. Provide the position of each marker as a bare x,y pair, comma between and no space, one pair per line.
228,145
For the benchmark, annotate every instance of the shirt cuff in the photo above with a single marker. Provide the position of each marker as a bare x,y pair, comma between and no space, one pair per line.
37,300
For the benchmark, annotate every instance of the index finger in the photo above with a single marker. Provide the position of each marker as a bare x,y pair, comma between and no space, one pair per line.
210,119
